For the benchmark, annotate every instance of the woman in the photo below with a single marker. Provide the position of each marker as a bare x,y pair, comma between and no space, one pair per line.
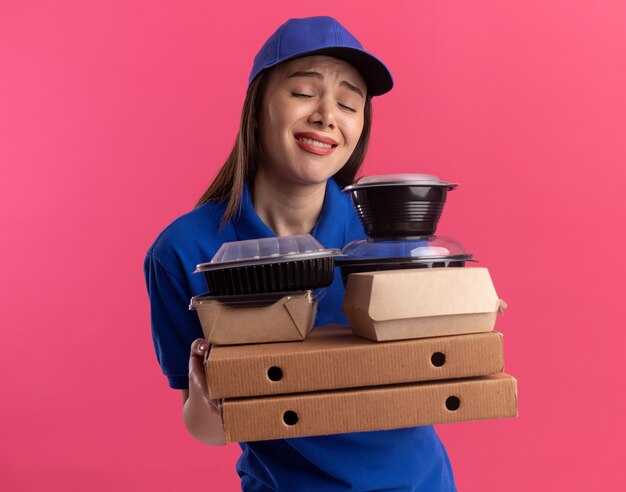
303,134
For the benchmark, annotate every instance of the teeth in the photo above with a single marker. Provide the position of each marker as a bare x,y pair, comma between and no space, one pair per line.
310,141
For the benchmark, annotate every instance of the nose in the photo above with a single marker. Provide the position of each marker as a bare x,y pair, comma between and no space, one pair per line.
323,115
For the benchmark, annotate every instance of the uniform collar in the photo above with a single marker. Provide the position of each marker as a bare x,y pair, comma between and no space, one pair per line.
331,227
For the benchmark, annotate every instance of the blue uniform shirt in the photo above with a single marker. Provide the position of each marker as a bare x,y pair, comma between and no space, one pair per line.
411,459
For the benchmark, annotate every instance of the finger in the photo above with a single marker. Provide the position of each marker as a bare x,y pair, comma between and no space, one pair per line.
199,347
197,379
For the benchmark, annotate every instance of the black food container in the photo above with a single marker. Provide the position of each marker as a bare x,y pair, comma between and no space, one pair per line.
370,255
399,205
269,265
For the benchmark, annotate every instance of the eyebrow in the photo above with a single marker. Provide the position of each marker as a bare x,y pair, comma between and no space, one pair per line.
317,75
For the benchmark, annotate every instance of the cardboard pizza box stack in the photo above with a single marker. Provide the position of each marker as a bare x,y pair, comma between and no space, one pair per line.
420,350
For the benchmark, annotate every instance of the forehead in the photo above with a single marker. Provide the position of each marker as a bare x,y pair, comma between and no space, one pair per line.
329,67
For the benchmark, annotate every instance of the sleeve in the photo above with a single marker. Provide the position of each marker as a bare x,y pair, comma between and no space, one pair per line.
174,326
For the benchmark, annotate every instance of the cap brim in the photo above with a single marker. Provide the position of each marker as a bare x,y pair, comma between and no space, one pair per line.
376,75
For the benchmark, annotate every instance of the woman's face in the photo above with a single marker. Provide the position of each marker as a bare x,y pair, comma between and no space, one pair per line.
311,119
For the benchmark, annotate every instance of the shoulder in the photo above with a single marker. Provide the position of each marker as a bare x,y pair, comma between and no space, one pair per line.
191,238
345,207
205,218
338,223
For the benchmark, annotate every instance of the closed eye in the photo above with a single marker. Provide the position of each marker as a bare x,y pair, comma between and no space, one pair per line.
301,95
353,110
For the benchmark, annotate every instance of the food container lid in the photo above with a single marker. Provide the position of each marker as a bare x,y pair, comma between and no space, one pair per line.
399,180
267,251
423,248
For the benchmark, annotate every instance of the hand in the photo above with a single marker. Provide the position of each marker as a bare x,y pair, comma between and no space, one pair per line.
201,414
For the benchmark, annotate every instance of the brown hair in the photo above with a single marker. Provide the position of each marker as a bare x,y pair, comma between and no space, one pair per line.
241,164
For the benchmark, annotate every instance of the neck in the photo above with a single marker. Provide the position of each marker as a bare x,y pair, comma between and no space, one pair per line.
288,211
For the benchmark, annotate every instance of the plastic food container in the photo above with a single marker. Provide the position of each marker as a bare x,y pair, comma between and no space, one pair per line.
399,205
269,265
370,255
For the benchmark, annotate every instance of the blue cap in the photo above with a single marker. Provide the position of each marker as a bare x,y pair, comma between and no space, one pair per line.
321,36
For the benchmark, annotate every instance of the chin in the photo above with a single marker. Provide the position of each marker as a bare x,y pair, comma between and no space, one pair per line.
317,176
311,180
307,172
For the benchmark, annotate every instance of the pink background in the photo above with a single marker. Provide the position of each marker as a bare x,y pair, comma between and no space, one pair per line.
115,115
